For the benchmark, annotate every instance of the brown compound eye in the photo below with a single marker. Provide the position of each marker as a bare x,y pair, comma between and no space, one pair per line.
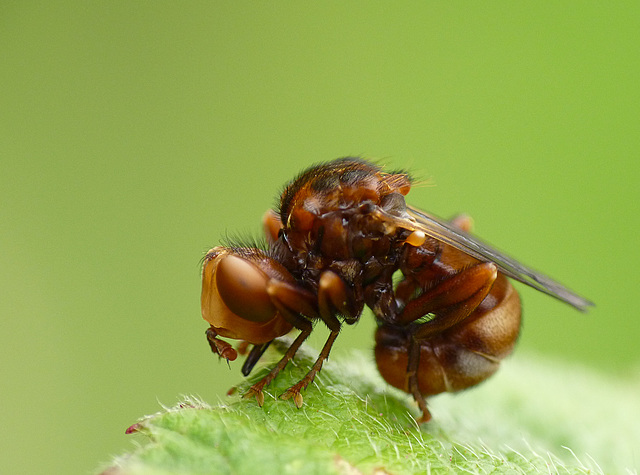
234,296
243,288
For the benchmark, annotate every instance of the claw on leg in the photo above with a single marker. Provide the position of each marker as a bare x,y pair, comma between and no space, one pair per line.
419,398
220,347
255,390
425,417
294,391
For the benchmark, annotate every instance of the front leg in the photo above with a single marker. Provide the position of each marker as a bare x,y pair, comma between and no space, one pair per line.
294,391
292,303
220,347
334,297
256,389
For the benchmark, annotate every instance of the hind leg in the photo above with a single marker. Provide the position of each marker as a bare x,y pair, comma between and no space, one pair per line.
451,301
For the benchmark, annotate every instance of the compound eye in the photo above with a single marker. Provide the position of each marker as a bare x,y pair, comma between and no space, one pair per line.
243,288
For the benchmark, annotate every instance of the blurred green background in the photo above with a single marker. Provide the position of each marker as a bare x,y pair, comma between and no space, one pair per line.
134,135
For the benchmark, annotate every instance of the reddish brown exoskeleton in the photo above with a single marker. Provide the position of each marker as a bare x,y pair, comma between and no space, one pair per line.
341,233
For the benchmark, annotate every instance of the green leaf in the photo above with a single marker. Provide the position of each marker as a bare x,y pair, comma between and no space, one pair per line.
532,417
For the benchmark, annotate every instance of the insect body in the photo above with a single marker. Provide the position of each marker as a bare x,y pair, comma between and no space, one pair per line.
341,233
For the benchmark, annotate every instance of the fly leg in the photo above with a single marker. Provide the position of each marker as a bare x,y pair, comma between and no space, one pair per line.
334,297
292,302
220,347
256,389
451,301
272,225
463,222
294,391
412,380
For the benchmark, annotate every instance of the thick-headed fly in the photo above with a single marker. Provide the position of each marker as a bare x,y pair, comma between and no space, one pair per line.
342,238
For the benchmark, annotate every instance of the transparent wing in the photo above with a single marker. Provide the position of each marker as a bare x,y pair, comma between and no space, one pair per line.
449,234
